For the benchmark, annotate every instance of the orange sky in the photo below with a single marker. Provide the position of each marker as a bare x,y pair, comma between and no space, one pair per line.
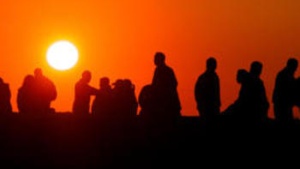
119,38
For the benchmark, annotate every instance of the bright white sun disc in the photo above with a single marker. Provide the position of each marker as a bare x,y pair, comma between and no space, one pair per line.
62,55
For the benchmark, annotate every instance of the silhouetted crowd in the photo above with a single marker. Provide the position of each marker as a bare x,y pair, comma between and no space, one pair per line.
159,100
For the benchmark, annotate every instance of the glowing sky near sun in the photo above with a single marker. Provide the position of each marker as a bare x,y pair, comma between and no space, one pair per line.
119,38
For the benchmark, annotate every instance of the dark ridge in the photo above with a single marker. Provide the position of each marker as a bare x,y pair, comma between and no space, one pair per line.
70,141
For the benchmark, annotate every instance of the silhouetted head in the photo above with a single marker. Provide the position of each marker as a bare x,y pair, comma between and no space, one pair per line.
86,76
38,72
104,82
211,64
118,83
1,80
256,68
159,58
241,75
292,65
28,80
128,84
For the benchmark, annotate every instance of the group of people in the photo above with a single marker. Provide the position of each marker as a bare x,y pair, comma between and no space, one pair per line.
252,103
36,94
159,99
117,102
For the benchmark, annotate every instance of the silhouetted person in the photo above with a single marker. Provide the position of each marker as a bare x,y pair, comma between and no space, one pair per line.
5,96
207,92
284,92
237,110
124,100
148,113
298,92
26,98
259,104
164,84
130,99
103,103
83,93
117,99
146,101
45,91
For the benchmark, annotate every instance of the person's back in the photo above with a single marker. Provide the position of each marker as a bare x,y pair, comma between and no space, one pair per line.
284,92
207,92
45,91
5,96
103,104
26,98
83,91
147,103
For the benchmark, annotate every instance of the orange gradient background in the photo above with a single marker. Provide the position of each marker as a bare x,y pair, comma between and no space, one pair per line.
118,39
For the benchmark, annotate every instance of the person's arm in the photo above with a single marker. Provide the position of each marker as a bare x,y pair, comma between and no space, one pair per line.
92,90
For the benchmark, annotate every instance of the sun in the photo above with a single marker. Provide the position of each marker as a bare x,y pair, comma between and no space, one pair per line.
62,55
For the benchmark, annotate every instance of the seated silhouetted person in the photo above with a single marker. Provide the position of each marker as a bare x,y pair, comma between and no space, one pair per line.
83,93
237,110
103,104
164,84
45,91
258,102
5,96
26,98
284,92
207,92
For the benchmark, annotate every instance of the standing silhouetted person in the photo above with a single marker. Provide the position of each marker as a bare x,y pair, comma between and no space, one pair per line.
130,99
26,98
207,92
83,93
164,84
45,91
103,103
284,92
5,96
258,102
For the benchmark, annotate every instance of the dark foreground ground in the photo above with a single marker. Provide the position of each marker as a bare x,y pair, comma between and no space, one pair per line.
67,141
